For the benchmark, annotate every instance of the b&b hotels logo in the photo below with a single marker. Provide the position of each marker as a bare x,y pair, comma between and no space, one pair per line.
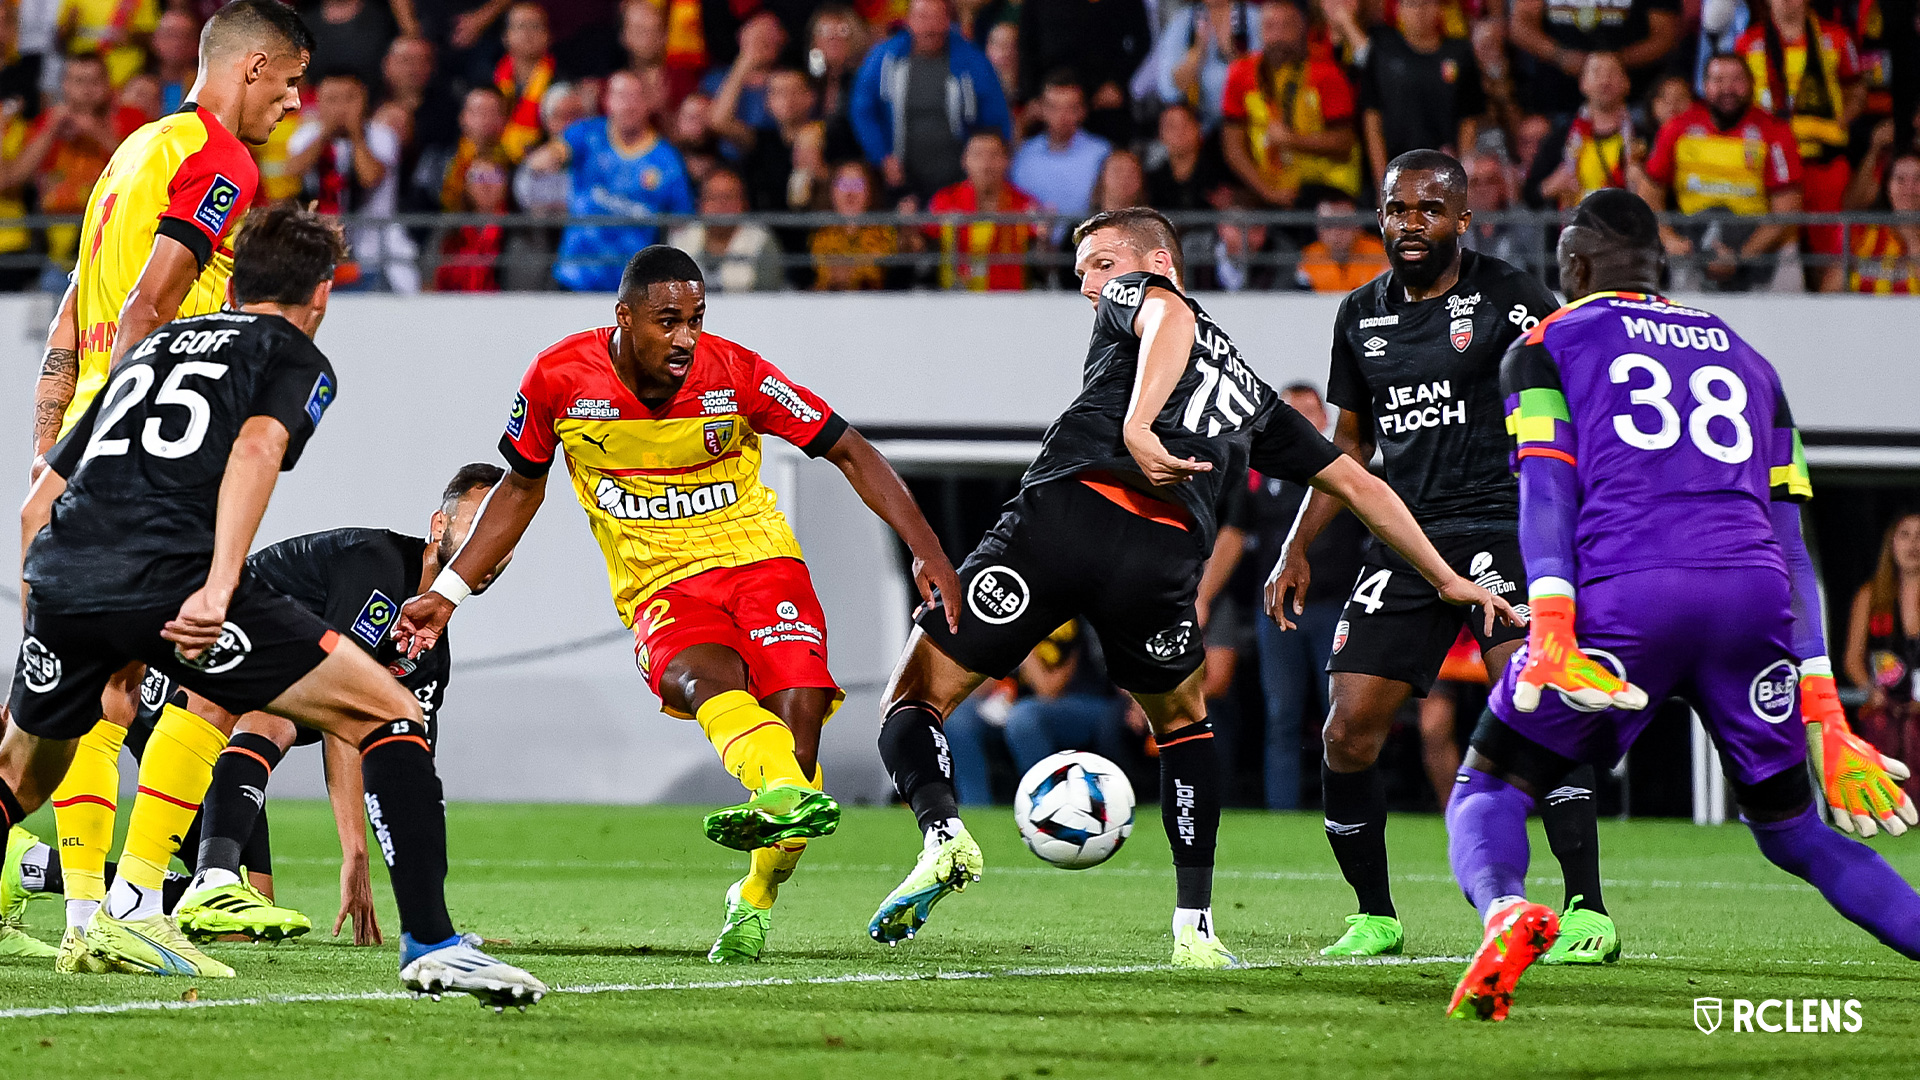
1804,1016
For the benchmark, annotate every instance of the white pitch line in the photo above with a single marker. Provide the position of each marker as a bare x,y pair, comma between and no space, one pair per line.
1071,971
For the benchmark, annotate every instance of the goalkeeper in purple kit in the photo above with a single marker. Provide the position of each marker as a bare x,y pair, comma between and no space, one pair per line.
1659,479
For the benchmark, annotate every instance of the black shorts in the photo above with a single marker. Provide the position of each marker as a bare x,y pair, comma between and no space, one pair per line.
1063,551
269,644
156,692
1396,626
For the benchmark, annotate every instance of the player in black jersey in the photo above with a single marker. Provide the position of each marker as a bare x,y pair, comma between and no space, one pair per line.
1416,373
351,578
140,527
1113,524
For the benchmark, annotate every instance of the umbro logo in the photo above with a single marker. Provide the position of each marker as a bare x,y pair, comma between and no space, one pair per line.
1376,345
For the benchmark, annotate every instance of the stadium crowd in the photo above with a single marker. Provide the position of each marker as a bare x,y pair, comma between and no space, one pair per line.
1037,110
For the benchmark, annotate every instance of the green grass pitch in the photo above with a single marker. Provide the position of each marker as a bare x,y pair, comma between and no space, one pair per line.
1032,972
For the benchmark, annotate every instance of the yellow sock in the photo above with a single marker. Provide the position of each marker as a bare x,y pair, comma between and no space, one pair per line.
754,745
83,810
174,775
769,868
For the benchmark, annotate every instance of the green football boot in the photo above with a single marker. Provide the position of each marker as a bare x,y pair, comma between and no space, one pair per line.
16,943
74,959
1193,949
153,946
238,908
1586,937
1369,935
13,894
944,867
781,812
745,933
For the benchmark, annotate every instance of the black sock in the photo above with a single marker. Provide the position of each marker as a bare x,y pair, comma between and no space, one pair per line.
914,750
10,812
404,804
1356,819
1573,832
257,856
172,889
1190,809
189,850
51,881
234,799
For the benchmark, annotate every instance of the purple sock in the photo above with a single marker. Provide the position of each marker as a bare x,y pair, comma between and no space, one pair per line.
1487,838
1852,876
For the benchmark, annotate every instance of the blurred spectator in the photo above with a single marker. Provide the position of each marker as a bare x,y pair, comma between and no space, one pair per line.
1598,147
1237,254
920,96
349,36
20,70
584,37
698,146
741,91
846,257
19,105
1883,646
549,194
142,94
643,37
68,146
1293,664
1343,256
1554,37
524,76
1289,117
483,119
1886,258
1068,704
432,115
1806,72
1721,24
1724,160
115,30
1059,165
460,33
1419,89
1102,41
837,43
470,253
619,167
785,164
983,255
1199,43
1003,52
1193,169
1490,192
1529,135
732,258
176,56
1671,96
349,166
976,724
1121,184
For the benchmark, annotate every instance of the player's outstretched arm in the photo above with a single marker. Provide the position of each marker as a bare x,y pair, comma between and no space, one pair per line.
253,467
1166,326
872,476
59,374
34,517
346,791
155,300
1379,506
503,519
1291,572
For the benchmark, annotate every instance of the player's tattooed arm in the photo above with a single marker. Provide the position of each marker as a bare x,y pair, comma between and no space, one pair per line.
59,373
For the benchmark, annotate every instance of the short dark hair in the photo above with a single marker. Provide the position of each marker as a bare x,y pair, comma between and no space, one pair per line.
1620,218
1445,166
86,58
248,20
1145,227
1061,78
1302,387
655,264
283,254
477,474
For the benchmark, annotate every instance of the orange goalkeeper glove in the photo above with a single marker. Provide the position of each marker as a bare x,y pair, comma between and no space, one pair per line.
1861,785
1555,660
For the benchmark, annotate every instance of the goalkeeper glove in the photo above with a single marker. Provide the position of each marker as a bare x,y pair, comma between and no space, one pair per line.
1554,658
1861,785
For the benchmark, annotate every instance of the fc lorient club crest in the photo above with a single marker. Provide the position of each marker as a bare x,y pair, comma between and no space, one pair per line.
1460,332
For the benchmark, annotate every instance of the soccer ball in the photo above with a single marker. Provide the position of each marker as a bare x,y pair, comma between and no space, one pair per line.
1074,809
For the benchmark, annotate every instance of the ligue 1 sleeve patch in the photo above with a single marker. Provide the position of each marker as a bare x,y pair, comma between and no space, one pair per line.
216,206
375,619
517,419
319,397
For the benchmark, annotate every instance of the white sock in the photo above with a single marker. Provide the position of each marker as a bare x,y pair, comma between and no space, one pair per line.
125,900
212,878
1500,904
80,913
942,831
1200,919
33,868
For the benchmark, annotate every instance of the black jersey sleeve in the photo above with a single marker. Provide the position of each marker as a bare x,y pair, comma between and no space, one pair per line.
298,387
1287,446
1346,386
1120,302
365,587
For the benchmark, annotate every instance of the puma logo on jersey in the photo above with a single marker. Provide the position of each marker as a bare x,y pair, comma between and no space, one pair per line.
670,505
600,442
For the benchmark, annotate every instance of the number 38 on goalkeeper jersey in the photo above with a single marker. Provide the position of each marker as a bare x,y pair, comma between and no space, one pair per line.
695,546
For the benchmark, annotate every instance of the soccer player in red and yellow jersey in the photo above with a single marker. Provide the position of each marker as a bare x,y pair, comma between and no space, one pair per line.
155,245
662,426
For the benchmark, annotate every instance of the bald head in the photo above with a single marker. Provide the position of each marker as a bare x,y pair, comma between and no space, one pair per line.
250,26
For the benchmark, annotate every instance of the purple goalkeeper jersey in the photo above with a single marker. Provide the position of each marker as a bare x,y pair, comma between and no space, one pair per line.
1677,429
